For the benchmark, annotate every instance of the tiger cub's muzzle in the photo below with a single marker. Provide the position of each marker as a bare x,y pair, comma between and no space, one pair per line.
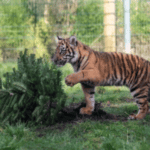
57,61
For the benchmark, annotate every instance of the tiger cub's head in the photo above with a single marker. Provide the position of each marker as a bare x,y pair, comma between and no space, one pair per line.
65,51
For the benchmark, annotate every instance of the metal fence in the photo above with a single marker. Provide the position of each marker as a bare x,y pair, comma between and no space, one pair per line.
140,27
34,24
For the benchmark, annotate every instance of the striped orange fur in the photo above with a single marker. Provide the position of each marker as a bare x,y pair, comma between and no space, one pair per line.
92,68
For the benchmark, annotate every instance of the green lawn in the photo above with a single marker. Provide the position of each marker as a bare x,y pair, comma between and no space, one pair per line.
84,135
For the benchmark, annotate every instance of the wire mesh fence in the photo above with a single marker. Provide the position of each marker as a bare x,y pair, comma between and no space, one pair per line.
140,31
34,24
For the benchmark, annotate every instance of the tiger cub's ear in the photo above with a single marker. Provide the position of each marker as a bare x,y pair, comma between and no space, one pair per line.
73,40
59,38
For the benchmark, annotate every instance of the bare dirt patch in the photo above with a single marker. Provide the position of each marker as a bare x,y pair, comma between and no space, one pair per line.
70,115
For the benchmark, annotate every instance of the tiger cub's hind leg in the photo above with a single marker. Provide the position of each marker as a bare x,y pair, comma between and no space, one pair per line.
89,99
141,98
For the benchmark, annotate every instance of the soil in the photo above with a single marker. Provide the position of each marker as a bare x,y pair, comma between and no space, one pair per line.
70,115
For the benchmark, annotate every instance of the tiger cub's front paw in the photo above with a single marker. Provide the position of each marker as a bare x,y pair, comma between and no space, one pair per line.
69,80
86,111
132,117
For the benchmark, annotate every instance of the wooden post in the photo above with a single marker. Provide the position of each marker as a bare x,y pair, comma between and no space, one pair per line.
109,25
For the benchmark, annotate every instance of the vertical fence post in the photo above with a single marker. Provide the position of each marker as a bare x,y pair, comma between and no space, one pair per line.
109,25
127,32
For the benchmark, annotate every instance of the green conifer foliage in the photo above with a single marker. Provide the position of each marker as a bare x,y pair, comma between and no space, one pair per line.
30,90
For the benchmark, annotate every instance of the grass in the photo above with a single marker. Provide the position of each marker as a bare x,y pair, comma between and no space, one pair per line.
91,135
86,135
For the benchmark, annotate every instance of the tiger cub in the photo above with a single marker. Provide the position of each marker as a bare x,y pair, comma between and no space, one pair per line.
94,68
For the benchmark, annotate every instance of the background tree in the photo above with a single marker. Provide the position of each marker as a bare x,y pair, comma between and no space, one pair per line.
13,25
140,19
88,21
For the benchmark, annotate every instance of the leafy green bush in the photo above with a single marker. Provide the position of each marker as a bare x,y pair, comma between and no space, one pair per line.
13,26
30,91
89,21
42,40
140,17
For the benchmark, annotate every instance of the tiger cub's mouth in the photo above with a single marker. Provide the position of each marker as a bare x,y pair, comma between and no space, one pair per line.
88,83
60,63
